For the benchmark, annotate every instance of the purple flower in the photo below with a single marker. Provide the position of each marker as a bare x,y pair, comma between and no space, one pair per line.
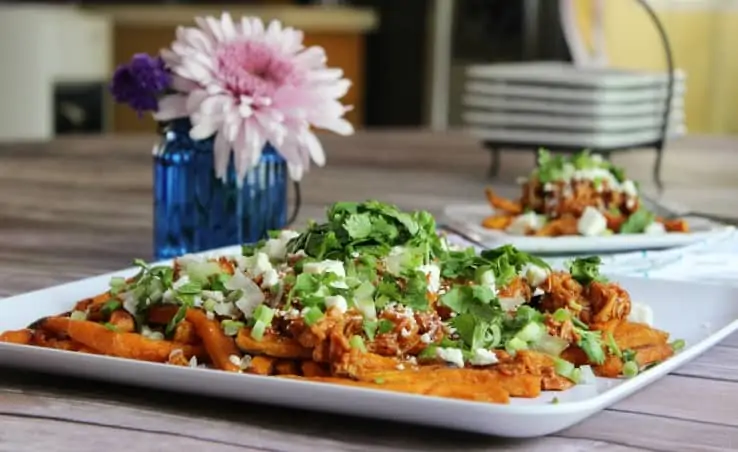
140,82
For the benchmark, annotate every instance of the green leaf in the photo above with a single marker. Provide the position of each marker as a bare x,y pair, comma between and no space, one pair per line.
637,222
110,306
178,317
385,326
586,270
359,226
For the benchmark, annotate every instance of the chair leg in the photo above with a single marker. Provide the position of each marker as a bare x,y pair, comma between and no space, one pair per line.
494,166
657,168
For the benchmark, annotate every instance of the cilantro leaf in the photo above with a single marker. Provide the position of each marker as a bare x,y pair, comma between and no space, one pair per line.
637,222
585,270
358,226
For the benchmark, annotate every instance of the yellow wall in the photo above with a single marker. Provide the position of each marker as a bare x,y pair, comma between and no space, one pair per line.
699,39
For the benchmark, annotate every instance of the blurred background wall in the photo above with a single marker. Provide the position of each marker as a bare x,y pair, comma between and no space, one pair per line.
406,57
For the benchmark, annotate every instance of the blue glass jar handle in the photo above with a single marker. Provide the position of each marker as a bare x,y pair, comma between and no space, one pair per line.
298,204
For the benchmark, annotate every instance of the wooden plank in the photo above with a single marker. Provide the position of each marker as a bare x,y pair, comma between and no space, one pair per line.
645,432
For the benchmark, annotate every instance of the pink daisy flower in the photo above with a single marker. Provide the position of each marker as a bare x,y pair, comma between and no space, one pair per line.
248,84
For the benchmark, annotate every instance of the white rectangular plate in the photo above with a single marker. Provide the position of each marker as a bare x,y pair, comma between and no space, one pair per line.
561,73
467,218
701,324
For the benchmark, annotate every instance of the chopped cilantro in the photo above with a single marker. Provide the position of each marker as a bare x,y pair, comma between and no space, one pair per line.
637,222
586,270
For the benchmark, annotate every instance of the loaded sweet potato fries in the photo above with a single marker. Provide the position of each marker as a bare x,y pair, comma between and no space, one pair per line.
372,298
579,195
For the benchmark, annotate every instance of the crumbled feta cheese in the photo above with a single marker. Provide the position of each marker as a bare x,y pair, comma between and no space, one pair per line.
404,332
534,274
538,292
451,355
235,360
527,221
630,203
249,301
426,338
287,234
193,361
336,301
483,357
275,249
326,266
641,313
548,186
151,334
592,222
655,228
261,265
629,188
511,303
433,273
400,366
270,278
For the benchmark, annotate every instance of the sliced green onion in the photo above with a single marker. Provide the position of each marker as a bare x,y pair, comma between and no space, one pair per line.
678,344
630,369
515,344
612,345
191,288
586,375
264,314
231,327
564,368
201,271
110,327
258,330
117,283
110,306
562,315
78,315
531,332
550,345
209,305
312,316
358,343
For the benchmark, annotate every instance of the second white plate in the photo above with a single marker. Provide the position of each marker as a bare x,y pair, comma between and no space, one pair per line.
468,219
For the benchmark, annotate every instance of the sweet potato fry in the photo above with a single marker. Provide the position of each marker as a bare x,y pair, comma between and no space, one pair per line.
286,367
676,225
271,345
162,314
566,225
497,222
83,305
313,369
477,392
185,333
23,336
503,204
262,365
520,385
122,321
220,347
356,364
108,342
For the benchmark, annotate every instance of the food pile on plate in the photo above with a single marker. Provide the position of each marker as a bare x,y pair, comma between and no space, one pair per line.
373,298
582,195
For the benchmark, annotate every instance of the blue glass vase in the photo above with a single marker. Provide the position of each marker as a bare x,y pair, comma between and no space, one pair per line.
195,211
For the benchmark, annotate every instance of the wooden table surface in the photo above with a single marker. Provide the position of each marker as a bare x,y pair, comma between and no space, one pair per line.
79,207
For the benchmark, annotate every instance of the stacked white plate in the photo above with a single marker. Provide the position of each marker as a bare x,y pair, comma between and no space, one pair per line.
558,104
